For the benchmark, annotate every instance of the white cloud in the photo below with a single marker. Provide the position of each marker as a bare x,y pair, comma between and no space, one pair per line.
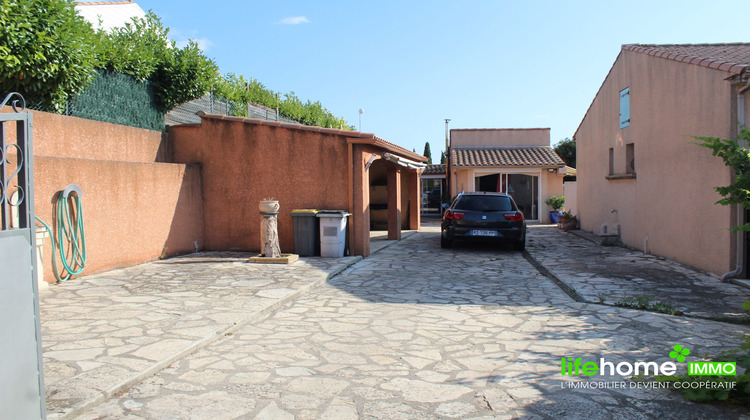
294,20
203,43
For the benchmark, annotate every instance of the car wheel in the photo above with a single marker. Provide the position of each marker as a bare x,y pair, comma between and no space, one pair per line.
520,245
445,242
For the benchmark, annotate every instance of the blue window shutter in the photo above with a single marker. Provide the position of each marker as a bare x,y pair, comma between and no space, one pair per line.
625,107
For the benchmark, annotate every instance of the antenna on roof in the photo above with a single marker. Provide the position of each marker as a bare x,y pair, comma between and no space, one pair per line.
447,135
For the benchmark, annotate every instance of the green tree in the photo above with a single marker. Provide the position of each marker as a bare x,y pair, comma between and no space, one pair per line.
137,49
46,50
566,149
443,159
143,50
737,158
241,91
427,152
184,75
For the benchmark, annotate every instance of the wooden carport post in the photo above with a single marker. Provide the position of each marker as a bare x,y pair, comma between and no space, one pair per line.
415,200
394,202
359,200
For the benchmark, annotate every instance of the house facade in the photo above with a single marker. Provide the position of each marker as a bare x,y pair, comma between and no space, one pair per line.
519,162
107,15
640,172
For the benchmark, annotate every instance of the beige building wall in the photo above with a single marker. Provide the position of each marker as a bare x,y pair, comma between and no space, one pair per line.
668,208
570,192
500,137
552,185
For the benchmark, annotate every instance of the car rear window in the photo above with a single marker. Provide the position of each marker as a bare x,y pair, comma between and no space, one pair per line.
484,203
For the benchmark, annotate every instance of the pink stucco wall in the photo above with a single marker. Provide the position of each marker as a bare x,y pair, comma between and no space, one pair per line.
669,206
79,138
245,163
135,210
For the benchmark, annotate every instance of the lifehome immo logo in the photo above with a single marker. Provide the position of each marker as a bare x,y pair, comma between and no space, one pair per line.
606,368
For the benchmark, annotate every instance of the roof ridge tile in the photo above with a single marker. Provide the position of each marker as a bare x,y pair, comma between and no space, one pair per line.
729,57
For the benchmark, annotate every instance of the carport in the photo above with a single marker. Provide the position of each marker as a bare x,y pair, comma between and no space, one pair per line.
245,160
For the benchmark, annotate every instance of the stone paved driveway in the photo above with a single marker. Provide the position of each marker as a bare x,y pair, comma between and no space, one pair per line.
103,332
418,332
611,274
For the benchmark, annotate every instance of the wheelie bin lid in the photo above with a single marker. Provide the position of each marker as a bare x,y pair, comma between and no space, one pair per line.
333,213
302,212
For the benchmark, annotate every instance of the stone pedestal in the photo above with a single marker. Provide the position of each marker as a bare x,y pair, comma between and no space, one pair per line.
269,235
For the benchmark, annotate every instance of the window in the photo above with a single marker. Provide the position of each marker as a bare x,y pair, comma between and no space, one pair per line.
630,158
611,161
625,107
484,203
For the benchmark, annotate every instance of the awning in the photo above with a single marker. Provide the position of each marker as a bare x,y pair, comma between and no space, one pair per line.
404,162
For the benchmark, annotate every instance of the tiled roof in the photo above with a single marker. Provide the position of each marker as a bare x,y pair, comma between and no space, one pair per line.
434,170
727,57
515,156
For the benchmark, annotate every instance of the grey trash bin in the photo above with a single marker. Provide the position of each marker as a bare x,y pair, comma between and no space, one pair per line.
306,232
332,232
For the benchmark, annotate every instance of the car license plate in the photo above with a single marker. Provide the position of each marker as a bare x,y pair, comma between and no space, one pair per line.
483,233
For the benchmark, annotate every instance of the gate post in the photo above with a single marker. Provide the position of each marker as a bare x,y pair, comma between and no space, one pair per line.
21,374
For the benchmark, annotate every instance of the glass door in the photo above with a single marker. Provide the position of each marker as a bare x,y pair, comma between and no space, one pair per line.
525,192
432,195
523,188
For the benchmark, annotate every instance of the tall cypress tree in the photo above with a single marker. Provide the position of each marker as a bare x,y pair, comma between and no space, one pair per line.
427,153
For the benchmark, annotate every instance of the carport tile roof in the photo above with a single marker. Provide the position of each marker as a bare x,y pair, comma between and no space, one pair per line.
516,156
434,170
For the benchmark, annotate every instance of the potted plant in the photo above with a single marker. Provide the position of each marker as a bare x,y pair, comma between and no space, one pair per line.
556,204
568,221
268,205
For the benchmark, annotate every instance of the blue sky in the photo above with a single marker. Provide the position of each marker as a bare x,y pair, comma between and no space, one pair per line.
410,65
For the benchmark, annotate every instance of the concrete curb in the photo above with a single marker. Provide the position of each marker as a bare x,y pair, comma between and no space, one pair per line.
266,310
741,282
394,242
561,284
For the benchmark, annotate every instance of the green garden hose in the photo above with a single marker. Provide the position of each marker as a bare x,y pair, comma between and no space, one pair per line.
71,228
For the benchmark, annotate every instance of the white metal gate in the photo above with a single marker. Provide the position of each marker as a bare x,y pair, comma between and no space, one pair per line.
21,374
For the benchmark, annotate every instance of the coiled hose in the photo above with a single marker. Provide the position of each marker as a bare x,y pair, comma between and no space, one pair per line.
71,228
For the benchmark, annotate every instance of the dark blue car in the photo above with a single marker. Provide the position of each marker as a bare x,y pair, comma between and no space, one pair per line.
486,217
